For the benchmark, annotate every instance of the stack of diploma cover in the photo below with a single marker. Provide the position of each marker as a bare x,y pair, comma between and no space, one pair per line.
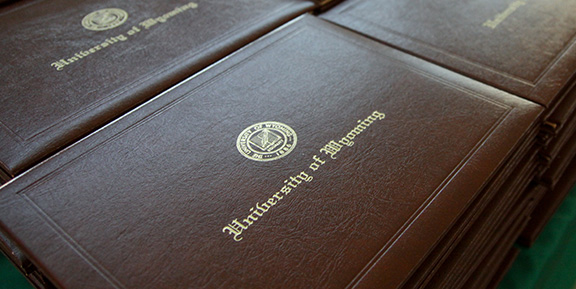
312,158
376,144
524,47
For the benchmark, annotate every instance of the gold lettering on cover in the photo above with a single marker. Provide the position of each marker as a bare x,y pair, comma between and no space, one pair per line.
292,183
499,18
134,30
316,164
331,149
235,228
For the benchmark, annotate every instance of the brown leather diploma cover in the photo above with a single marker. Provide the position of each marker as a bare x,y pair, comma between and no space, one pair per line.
312,158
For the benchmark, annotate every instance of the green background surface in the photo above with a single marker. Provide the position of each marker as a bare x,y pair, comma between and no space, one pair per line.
10,277
549,264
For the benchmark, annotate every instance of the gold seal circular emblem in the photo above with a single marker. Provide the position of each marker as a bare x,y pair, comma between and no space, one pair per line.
266,141
104,19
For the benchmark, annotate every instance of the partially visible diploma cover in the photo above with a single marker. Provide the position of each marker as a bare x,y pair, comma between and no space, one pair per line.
312,158
524,47
68,67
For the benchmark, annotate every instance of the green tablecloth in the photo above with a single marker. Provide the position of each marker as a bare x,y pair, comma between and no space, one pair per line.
549,264
10,277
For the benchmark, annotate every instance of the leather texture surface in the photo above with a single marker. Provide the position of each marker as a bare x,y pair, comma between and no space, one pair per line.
62,81
142,203
524,47
492,204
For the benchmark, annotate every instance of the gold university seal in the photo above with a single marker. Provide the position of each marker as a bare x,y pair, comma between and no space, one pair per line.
104,19
266,141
